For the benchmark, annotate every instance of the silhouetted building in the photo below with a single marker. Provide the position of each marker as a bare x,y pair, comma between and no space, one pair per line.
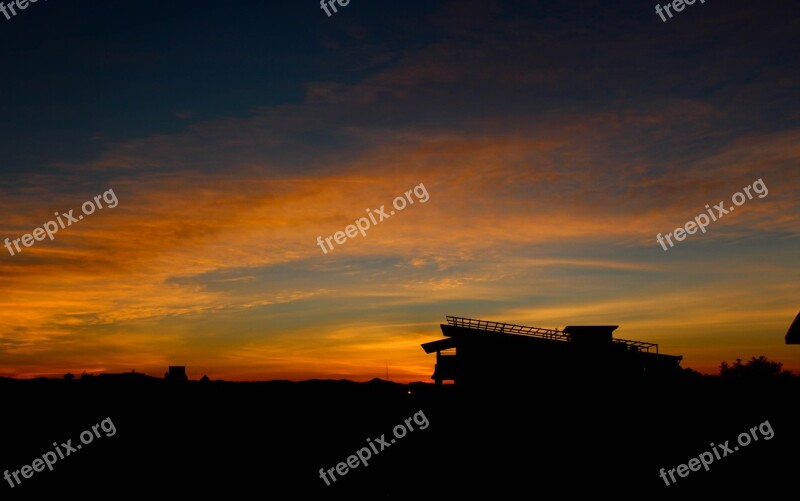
176,373
481,351
793,334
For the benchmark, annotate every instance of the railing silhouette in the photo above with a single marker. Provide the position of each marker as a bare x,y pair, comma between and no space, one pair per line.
524,330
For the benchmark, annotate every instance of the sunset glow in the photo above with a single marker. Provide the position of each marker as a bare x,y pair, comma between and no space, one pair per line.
548,180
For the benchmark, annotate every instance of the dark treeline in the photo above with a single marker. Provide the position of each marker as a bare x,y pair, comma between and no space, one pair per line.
247,439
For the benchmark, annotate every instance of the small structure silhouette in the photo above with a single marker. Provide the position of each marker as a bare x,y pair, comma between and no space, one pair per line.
793,334
482,351
176,373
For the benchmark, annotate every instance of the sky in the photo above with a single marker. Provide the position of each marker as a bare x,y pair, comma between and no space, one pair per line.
549,143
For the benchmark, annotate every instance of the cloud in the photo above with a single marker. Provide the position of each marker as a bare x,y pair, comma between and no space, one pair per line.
546,173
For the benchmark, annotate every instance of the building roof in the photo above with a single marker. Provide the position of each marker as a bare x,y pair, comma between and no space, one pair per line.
575,331
442,344
793,334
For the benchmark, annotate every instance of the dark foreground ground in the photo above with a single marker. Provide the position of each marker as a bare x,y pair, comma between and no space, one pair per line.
269,440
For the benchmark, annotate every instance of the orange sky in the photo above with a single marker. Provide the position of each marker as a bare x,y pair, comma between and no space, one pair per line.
542,212
221,272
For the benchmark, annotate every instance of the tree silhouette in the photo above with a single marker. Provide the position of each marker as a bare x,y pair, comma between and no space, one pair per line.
754,369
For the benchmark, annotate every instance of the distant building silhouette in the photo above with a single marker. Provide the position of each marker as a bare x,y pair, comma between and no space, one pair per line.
481,351
793,334
176,373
